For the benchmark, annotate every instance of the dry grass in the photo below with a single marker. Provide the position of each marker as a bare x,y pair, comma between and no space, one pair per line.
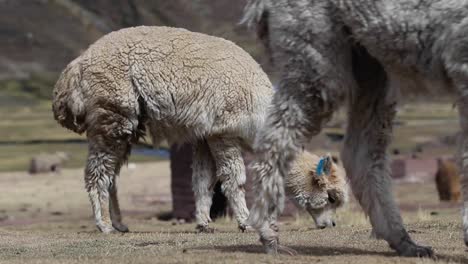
47,219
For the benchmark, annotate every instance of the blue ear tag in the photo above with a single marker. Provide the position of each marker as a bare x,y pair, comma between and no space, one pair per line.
323,166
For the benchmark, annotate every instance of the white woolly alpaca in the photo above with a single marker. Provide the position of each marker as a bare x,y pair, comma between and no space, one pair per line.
182,86
367,51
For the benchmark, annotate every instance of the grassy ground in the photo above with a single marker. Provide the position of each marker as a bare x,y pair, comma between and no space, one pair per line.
47,219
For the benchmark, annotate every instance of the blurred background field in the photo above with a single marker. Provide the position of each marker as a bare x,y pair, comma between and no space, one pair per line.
39,37
27,128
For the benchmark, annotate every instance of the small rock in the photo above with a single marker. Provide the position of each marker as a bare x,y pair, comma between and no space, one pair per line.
56,213
132,166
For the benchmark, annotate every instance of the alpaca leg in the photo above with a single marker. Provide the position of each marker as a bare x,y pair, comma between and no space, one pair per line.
99,177
230,170
115,214
462,158
455,57
289,124
372,110
203,180
109,139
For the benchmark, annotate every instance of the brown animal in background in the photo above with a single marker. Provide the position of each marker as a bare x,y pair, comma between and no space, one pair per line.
448,180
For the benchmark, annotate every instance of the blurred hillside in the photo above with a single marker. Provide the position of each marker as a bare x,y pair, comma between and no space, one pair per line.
39,37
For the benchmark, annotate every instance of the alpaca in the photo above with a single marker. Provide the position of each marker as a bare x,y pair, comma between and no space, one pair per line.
368,52
184,87
447,180
180,85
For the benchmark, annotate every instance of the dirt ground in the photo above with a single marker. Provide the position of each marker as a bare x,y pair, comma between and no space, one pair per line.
47,219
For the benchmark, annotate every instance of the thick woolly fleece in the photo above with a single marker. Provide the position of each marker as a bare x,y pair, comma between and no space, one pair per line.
368,51
182,86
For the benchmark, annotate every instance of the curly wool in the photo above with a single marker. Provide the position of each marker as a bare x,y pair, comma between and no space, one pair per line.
190,84
181,86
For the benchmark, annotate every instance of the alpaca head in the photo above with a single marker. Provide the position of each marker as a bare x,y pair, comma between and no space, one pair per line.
317,185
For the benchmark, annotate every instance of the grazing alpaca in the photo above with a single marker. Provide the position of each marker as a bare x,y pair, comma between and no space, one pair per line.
367,51
182,86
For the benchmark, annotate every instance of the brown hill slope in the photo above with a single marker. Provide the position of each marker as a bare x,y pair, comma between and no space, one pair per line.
42,36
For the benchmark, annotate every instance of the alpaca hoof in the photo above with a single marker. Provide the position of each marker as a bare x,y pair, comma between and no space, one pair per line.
120,227
106,229
243,227
273,248
247,228
205,229
407,248
286,250
270,245
466,238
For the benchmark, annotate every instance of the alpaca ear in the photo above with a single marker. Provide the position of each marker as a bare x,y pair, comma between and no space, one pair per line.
324,166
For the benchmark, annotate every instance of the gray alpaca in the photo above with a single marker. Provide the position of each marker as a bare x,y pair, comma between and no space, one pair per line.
368,52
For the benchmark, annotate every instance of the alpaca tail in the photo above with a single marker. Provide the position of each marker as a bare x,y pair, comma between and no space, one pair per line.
68,104
253,12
